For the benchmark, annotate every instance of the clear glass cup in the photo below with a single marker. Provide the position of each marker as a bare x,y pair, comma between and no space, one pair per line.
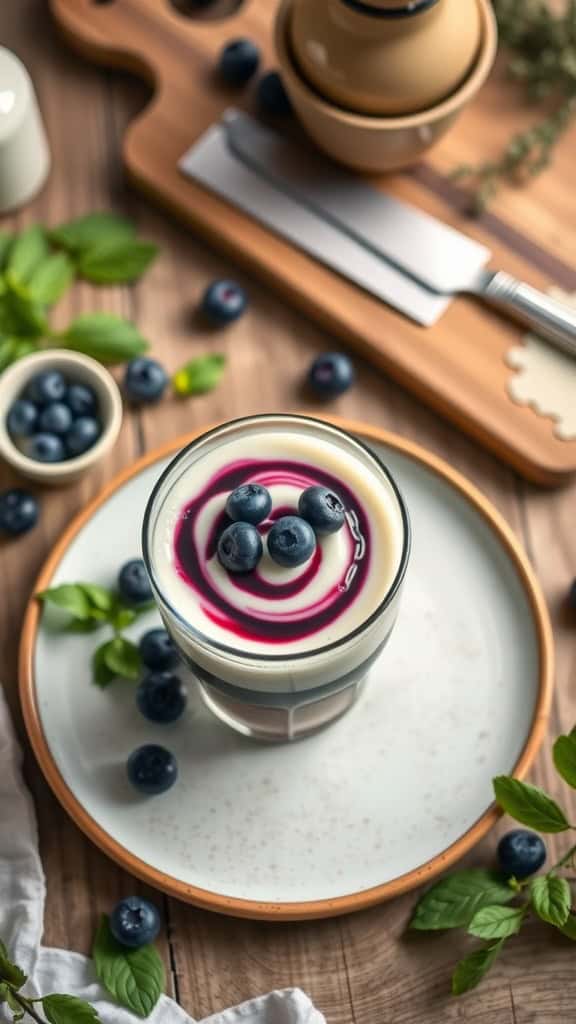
277,697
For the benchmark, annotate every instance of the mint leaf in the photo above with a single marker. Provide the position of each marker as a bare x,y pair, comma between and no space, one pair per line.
102,676
91,230
199,376
551,899
3,991
105,337
123,617
50,279
100,598
453,902
529,805
134,977
20,315
565,758
70,597
29,249
9,972
122,657
17,1011
68,1010
496,922
5,244
469,972
569,927
116,260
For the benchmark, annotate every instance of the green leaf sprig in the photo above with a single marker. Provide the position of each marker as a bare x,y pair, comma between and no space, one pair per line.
89,607
542,46
480,900
57,1009
134,977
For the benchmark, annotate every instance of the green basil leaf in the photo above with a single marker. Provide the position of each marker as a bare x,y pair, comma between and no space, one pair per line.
134,977
496,922
68,1010
569,927
469,972
116,261
565,758
51,279
9,971
102,675
86,232
70,597
28,250
551,899
20,315
529,805
5,244
122,657
101,598
453,901
199,376
105,337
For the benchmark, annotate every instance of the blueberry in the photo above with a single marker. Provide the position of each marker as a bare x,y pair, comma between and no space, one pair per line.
152,769
331,374
44,448
82,435
291,541
45,387
249,503
18,511
572,596
157,650
81,400
323,509
271,96
133,583
55,418
161,697
223,302
134,922
238,61
240,547
145,380
521,853
22,418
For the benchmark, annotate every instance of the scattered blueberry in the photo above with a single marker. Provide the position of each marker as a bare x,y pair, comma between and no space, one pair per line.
323,509
45,387
134,922
572,596
223,302
521,853
249,503
291,541
161,697
82,435
145,380
18,511
152,769
81,400
158,651
238,61
55,418
133,583
331,374
240,547
44,448
22,418
271,96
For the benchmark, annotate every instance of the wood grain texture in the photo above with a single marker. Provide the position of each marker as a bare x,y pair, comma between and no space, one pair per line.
359,970
458,365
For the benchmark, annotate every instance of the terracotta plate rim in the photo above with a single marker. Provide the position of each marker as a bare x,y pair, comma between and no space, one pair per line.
308,910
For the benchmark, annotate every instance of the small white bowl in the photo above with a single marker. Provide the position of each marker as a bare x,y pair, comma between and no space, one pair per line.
78,368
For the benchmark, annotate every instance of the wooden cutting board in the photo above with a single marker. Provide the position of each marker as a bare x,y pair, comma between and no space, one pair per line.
456,366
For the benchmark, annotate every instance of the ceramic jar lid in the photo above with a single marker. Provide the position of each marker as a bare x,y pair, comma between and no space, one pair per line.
385,57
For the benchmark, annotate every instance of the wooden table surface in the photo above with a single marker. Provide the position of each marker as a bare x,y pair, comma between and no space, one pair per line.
357,969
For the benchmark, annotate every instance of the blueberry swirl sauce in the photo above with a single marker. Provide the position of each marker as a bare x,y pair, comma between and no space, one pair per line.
273,606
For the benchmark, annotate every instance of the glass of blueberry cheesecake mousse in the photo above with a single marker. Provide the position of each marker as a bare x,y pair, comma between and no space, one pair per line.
277,546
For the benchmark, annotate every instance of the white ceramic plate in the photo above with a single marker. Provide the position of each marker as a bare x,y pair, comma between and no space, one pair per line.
396,790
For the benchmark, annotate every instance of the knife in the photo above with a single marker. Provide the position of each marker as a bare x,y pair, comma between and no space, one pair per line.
399,253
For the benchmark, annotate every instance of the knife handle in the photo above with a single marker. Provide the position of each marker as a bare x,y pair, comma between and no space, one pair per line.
553,320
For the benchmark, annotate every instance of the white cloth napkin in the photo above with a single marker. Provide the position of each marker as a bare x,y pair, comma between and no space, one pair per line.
22,892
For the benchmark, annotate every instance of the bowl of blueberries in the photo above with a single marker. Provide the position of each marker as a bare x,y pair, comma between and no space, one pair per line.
60,412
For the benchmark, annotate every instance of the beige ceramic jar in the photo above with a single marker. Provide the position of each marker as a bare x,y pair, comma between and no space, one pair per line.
385,57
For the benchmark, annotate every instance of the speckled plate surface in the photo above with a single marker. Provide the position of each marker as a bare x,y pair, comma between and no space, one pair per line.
383,799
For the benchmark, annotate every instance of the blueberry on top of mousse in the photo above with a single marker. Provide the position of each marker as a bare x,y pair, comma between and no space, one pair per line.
291,541
323,509
249,503
240,547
